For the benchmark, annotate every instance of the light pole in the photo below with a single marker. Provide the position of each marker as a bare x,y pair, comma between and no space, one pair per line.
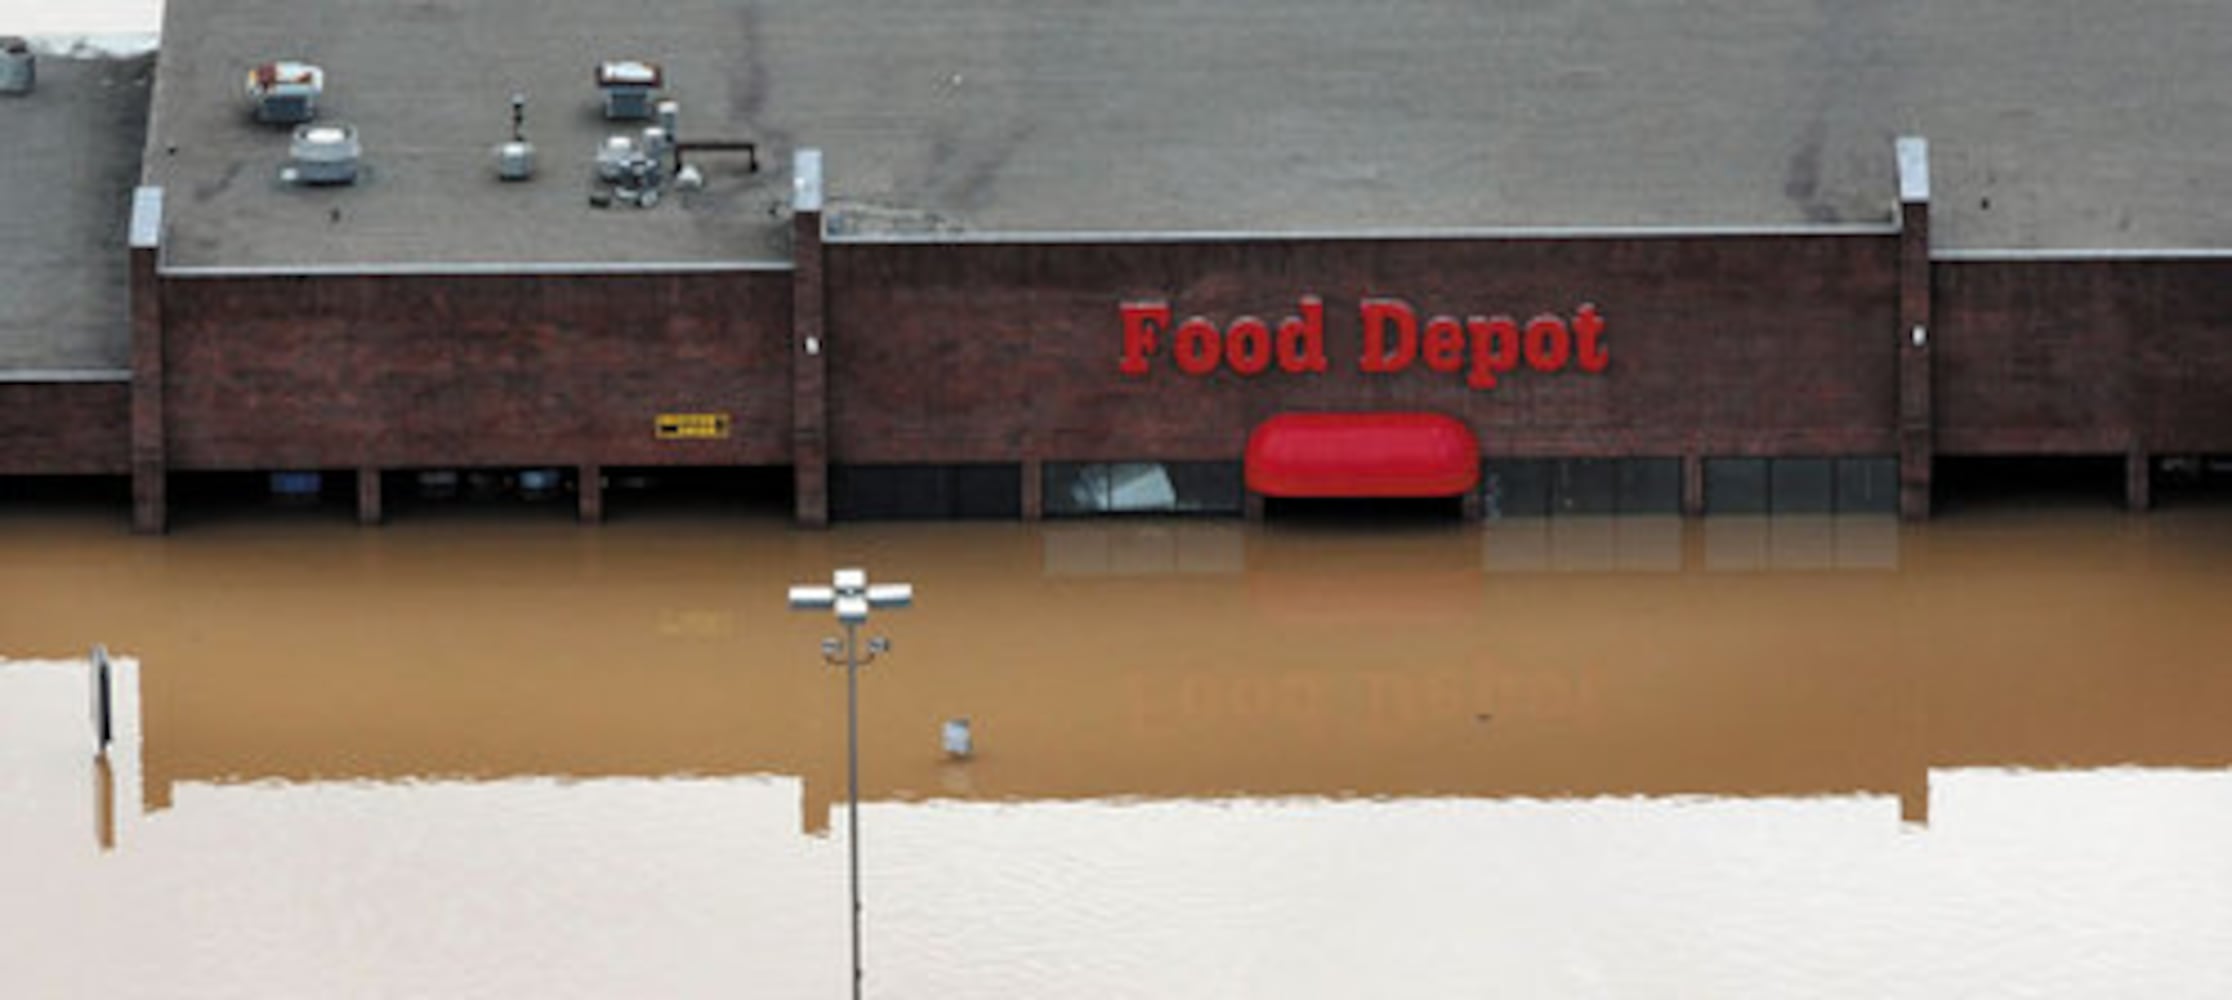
850,595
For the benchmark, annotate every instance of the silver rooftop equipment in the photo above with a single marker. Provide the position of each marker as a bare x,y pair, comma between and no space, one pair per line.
515,160
285,92
630,88
324,155
19,67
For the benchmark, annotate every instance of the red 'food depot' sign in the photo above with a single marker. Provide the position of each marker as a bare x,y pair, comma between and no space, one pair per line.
1483,348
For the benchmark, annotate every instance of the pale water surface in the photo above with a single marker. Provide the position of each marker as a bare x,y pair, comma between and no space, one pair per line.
494,754
80,17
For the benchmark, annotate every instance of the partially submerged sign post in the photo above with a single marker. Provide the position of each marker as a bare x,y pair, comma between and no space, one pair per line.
104,702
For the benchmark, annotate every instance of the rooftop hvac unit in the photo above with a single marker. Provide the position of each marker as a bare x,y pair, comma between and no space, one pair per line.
628,173
614,157
19,69
515,160
285,93
324,154
630,87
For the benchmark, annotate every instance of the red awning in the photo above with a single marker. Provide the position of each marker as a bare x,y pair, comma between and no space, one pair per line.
1362,455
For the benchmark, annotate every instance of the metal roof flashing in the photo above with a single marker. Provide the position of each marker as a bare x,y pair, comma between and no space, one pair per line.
147,218
1914,169
806,181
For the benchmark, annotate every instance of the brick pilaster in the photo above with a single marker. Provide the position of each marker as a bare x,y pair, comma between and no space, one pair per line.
369,496
1916,430
1034,489
809,348
150,458
589,491
1693,485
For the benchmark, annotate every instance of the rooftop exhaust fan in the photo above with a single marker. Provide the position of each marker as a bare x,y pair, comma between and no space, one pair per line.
285,93
19,68
323,155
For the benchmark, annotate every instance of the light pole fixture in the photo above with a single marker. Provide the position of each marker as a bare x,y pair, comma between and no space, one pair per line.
851,597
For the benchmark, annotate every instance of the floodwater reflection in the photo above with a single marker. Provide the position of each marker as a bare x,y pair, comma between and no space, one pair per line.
1584,756
1143,548
1802,542
2098,883
1584,545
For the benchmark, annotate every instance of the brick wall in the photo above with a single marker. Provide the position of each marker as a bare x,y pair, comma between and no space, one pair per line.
440,371
2084,356
65,428
1722,345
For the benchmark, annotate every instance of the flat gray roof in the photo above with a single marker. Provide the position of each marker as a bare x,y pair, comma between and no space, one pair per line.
67,165
428,87
2053,126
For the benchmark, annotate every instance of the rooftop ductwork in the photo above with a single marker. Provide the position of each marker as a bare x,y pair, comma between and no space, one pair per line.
285,93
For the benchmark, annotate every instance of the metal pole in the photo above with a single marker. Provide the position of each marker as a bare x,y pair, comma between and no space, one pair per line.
852,785
851,597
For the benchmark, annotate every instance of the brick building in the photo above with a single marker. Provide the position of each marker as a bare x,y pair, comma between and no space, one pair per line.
989,262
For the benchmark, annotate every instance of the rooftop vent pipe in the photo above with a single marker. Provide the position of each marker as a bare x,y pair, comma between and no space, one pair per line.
323,155
515,160
285,93
19,68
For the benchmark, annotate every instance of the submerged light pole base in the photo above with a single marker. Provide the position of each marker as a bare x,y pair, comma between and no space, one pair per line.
851,597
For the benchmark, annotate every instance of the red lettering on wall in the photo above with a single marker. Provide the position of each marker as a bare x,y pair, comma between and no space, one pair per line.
1445,344
1383,317
1141,320
1588,327
1392,341
1302,339
1548,347
1199,347
1248,346
1495,349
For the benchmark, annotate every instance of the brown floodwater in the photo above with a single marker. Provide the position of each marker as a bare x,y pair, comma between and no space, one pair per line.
491,753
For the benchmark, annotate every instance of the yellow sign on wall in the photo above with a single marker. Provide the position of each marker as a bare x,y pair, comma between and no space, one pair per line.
693,426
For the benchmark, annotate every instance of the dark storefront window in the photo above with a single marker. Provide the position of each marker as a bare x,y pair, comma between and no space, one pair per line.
1586,486
1868,485
1516,487
1801,485
1542,487
938,492
1651,486
1736,486
1085,488
1536,487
